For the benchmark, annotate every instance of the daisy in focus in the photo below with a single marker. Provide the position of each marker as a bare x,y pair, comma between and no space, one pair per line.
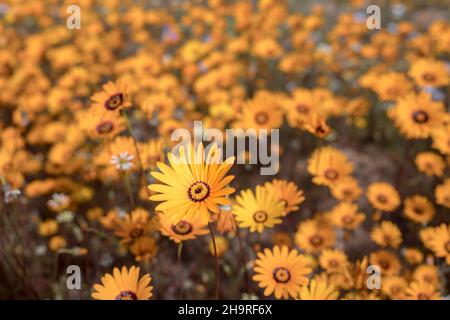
193,184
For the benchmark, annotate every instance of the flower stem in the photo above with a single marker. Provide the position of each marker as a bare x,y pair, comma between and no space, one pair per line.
180,275
138,156
217,260
243,261
126,179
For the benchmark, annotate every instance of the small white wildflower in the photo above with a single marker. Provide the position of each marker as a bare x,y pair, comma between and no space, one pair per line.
249,296
11,195
106,260
40,250
65,216
123,161
58,201
121,213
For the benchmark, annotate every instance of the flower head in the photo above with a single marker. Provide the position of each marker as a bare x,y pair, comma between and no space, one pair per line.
281,272
123,285
122,161
258,210
193,184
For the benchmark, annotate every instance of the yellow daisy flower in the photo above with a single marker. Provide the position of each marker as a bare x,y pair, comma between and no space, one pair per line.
391,86
319,290
412,256
422,291
114,96
394,287
226,222
383,196
417,116
427,274
333,260
441,139
314,235
123,285
442,193
281,239
300,106
281,272
100,124
329,166
151,153
346,215
144,248
419,209
258,210
439,241
387,261
347,189
57,242
258,114
133,226
181,230
387,234
48,227
221,245
430,163
287,192
193,184
429,73
316,124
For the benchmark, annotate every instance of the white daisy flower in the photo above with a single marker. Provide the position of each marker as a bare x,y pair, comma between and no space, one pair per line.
11,195
123,161
58,201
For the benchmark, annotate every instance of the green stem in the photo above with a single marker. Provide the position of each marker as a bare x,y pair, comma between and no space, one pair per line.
243,261
138,156
216,259
180,275
126,179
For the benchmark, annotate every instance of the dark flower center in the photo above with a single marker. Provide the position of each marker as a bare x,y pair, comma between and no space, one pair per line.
126,295
347,192
114,102
392,91
198,191
105,127
316,240
136,233
347,220
429,77
423,296
331,174
381,198
420,116
281,275
261,117
260,216
384,264
285,203
320,130
302,108
182,228
395,290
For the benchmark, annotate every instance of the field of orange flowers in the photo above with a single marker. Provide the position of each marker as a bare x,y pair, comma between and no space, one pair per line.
98,201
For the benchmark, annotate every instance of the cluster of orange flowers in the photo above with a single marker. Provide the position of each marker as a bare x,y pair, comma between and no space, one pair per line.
88,174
